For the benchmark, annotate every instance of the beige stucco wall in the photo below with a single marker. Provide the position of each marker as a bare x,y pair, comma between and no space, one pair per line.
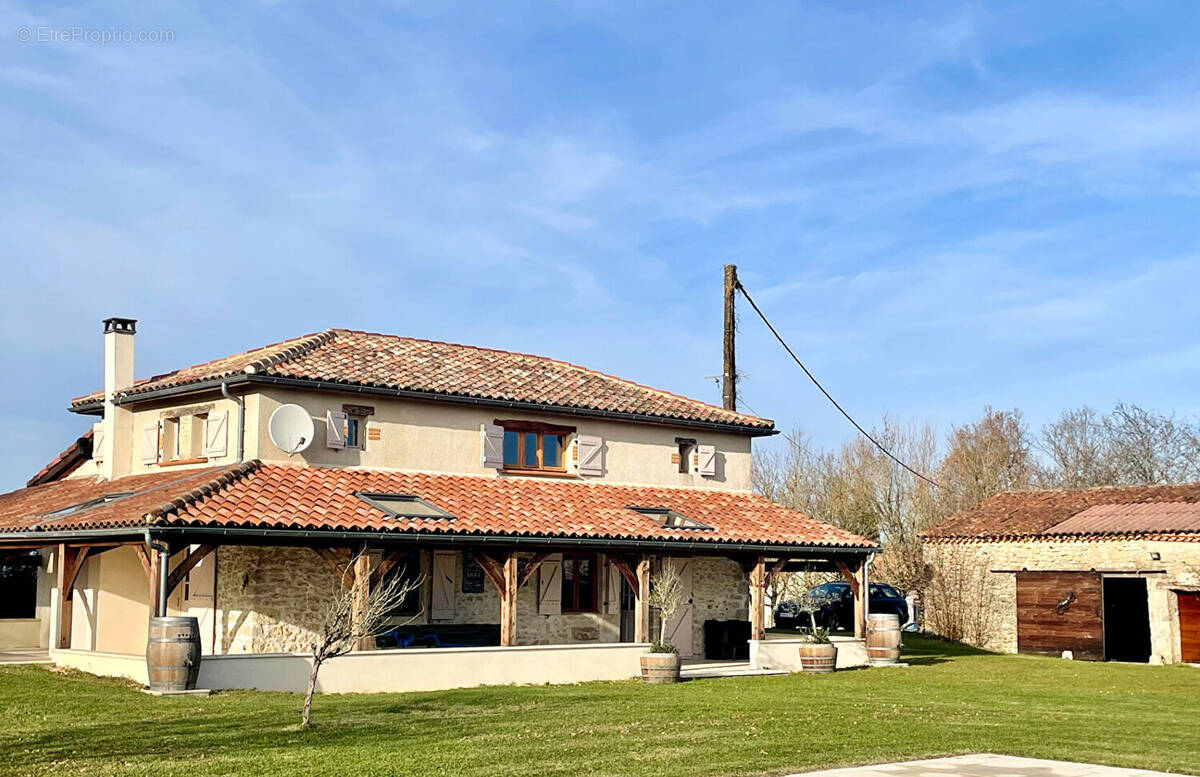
1179,560
443,437
111,606
784,653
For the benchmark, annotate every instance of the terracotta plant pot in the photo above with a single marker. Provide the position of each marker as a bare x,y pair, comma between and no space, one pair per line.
660,667
818,657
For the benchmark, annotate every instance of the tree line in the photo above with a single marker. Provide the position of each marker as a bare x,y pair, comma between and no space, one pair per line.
860,489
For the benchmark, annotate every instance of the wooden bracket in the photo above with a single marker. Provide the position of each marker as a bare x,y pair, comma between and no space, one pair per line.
492,568
851,578
624,566
390,560
186,565
530,568
775,569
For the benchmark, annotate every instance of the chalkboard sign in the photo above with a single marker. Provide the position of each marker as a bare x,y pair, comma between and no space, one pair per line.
472,576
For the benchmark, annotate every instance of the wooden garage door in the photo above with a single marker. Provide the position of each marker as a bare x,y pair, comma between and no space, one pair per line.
1059,611
1189,626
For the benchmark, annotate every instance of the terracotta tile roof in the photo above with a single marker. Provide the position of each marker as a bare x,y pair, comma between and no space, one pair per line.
1044,513
448,370
66,462
311,498
29,509
1132,518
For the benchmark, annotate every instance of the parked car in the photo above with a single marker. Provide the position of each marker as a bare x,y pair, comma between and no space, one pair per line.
832,606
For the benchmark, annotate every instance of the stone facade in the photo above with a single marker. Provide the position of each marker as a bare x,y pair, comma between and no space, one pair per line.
993,564
271,600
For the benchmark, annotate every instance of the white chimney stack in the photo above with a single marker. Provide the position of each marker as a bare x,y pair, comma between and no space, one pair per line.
116,456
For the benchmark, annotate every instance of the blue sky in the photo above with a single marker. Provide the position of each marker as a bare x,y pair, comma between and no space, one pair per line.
942,206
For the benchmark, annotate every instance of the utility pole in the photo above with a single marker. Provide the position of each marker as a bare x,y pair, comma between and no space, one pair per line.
729,372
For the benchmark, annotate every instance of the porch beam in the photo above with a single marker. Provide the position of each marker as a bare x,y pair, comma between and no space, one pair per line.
186,565
623,566
362,592
531,568
493,569
641,606
339,562
775,569
69,562
758,585
508,602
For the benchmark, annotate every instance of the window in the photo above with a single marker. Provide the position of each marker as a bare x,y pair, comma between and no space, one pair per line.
18,587
353,432
670,519
407,568
403,505
578,583
534,446
686,448
183,438
356,424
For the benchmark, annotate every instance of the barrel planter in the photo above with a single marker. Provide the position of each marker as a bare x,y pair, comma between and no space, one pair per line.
883,638
173,653
660,668
818,657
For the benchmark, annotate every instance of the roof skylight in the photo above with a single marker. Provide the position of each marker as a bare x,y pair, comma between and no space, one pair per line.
670,519
403,505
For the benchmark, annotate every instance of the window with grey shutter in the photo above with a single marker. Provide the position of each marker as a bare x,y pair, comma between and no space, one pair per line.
707,456
441,604
335,429
491,441
591,455
98,441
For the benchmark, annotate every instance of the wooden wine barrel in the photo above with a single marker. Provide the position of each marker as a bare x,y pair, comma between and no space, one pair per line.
883,638
660,668
173,653
818,658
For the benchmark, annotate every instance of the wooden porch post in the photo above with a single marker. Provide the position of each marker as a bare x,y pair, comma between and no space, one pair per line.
508,602
861,601
758,588
362,593
65,560
641,610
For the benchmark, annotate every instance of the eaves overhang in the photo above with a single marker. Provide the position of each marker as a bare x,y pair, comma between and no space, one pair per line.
96,407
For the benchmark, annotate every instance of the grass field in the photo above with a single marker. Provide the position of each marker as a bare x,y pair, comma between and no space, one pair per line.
952,700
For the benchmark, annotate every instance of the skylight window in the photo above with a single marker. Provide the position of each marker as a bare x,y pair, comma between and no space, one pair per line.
89,504
670,519
403,506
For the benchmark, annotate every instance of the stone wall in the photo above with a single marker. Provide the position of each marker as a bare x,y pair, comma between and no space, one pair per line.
272,600
1180,562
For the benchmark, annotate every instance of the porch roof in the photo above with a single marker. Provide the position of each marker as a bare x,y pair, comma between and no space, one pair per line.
298,498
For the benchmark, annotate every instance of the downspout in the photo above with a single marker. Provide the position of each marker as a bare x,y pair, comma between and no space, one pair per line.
164,563
241,432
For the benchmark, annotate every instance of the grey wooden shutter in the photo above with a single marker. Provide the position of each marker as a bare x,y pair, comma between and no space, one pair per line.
591,455
707,455
98,441
491,446
550,586
335,429
612,589
216,432
150,442
442,601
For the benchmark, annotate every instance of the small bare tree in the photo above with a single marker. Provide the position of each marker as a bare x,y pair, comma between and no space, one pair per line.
666,596
346,623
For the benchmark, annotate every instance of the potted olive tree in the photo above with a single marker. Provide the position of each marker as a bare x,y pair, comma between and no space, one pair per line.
818,653
661,664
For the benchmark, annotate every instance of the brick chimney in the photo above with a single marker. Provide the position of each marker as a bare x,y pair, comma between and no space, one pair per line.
117,442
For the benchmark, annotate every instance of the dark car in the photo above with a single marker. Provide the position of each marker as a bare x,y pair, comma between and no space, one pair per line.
832,606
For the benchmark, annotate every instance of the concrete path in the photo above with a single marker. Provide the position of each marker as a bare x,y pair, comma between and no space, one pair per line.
985,765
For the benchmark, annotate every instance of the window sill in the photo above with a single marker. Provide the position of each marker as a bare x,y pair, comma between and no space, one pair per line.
182,462
543,473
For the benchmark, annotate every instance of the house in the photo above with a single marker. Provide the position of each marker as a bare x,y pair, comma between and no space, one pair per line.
1104,573
535,500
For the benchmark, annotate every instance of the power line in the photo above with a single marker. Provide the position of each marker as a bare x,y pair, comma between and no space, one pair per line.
829,396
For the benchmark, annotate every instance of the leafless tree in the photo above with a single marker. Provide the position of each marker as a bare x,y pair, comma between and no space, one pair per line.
666,595
960,599
985,458
1150,447
1078,451
347,623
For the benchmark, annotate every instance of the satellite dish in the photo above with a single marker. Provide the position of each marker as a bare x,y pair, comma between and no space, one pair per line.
291,428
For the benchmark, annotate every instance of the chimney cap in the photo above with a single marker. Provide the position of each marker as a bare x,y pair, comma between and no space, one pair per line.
123,325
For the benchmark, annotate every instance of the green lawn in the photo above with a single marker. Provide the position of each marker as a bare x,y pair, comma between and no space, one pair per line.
951,700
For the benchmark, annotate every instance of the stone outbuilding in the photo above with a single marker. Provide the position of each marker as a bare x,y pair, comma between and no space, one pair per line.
1104,573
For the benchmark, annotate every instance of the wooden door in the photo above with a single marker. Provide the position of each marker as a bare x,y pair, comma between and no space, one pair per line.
679,628
1189,626
1059,611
